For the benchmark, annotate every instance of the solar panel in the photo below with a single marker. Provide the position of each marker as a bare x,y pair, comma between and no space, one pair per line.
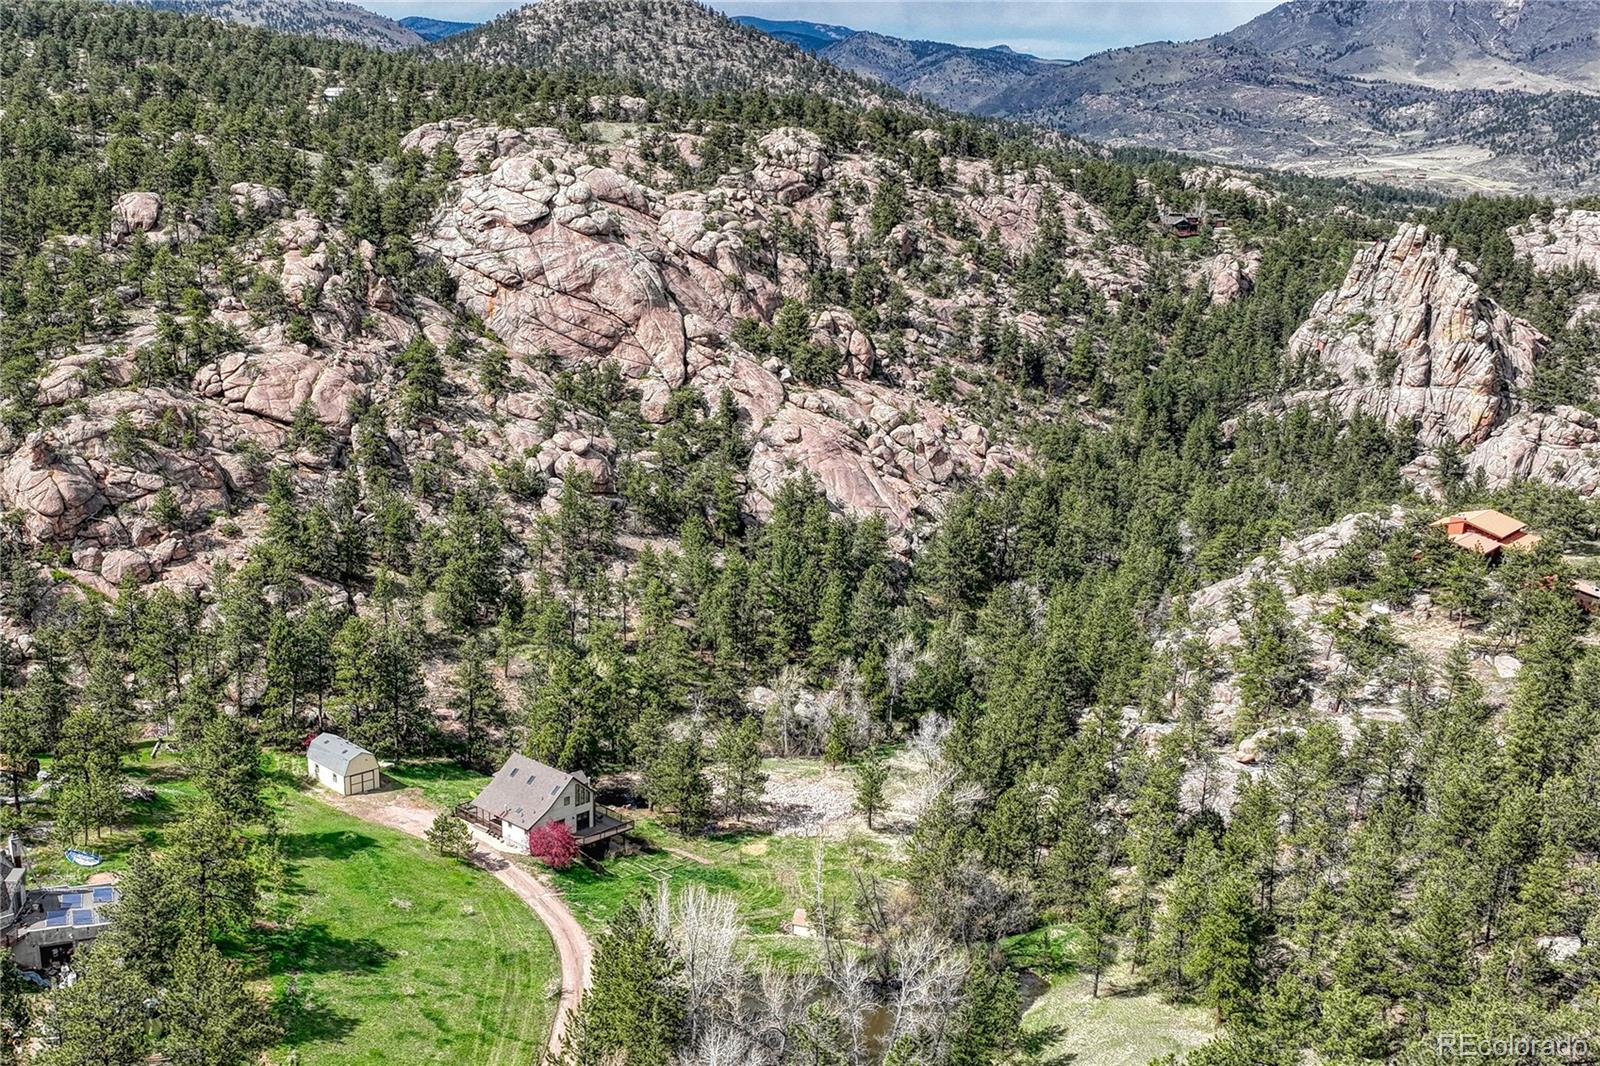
83,917
53,918
73,899
105,895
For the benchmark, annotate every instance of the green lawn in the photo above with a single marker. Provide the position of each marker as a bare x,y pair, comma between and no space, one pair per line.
769,876
376,950
1123,1027
143,825
443,782
386,953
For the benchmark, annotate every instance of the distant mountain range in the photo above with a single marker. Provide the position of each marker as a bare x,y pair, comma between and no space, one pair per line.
434,29
678,45
1463,94
1497,95
811,36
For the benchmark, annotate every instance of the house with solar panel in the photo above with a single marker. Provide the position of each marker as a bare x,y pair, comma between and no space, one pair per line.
342,765
43,927
526,794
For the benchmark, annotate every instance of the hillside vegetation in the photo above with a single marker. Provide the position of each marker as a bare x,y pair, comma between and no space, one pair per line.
657,429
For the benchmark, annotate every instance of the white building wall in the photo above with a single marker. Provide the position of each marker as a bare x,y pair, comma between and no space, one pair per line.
513,837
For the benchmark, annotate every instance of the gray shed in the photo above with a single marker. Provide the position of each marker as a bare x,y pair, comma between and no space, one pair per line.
342,765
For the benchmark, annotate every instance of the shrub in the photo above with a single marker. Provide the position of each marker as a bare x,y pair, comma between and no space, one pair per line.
553,844
449,836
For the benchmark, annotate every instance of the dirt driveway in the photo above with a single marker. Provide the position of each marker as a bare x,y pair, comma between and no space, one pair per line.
409,814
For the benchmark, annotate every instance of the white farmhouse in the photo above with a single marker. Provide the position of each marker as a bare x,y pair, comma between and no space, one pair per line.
526,794
345,767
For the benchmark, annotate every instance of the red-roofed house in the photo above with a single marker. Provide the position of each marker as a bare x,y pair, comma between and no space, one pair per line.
1487,532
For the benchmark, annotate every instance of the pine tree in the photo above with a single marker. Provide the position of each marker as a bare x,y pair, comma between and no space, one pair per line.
210,1016
738,755
633,1011
88,771
19,739
676,782
872,774
988,1021
1099,922
228,767
16,1014
477,703
101,1019
1170,963
449,836
1225,944
214,870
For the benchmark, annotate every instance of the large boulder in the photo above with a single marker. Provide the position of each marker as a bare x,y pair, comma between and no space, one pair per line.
791,165
1567,240
836,328
136,212
55,490
1560,446
1227,275
273,385
264,200
537,255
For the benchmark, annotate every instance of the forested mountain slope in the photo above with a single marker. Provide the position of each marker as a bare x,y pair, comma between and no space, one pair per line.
333,19
471,407
677,45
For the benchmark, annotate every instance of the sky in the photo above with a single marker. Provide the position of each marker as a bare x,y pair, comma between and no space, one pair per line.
1053,29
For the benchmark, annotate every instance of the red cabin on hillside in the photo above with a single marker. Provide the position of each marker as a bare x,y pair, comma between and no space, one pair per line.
1487,532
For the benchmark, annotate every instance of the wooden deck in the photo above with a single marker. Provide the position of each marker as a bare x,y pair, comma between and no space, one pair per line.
607,824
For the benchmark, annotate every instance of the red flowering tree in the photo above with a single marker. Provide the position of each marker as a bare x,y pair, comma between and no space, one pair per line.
553,844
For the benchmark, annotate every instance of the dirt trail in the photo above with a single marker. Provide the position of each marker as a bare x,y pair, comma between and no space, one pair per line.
397,810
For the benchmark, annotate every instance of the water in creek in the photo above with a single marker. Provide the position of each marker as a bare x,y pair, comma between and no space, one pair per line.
1031,985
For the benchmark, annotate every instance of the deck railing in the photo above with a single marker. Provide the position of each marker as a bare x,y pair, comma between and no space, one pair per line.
469,814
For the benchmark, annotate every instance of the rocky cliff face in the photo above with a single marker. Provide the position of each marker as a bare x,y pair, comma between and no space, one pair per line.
571,256
578,260
1568,240
1409,336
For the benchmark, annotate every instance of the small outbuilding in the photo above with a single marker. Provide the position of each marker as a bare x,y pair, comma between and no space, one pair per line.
341,765
1587,593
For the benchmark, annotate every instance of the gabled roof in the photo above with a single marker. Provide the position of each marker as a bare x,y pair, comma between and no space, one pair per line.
1476,542
334,752
1496,524
523,791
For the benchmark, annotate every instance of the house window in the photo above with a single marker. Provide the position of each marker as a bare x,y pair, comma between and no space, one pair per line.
582,793
566,801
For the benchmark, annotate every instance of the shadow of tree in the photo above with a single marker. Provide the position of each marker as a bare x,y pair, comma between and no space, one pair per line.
340,844
306,1020
1035,1042
311,947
